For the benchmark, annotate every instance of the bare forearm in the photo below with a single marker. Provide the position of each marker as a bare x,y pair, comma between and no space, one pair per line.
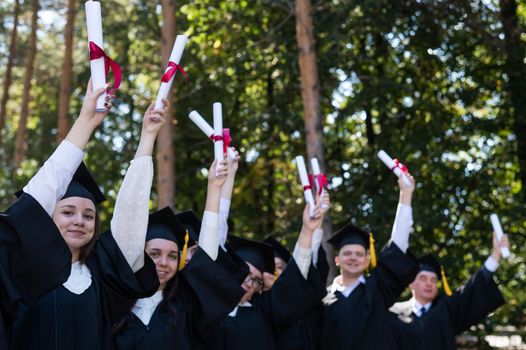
80,132
146,145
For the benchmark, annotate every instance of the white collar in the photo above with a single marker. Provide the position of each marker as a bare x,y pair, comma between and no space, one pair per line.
145,307
417,307
233,313
346,291
79,279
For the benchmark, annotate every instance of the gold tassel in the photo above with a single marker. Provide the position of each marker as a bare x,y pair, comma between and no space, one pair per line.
372,252
445,285
275,274
182,258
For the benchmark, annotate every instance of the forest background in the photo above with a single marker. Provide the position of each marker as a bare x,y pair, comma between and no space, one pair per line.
439,84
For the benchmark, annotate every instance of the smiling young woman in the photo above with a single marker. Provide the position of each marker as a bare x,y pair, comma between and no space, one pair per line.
108,270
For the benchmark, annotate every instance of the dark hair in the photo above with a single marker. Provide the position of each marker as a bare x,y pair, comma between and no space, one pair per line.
169,292
86,250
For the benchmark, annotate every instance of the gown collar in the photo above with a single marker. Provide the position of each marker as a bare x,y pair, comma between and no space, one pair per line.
345,291
79,280
145,307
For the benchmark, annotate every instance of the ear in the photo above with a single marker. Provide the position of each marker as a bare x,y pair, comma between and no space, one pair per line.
337,260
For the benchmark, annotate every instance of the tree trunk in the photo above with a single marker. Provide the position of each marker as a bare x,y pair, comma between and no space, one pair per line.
516,71
9,69
310,92
65,83
165,154
20,141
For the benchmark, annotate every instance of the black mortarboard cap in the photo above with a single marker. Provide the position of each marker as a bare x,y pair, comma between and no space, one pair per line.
350,234
164,224
280,251
429,263
259,254
190,222
82,185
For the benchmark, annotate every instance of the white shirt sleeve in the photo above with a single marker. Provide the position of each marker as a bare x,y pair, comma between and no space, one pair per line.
224,210
402,226
51,182
130,216
302,257
317,236
208,237
491,264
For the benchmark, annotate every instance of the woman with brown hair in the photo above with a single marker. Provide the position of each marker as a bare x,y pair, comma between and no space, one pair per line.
107,270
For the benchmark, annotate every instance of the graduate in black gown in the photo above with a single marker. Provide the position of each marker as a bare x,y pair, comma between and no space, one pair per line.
260,316
355,311
303,335
107,271
34,259
429,321
192,297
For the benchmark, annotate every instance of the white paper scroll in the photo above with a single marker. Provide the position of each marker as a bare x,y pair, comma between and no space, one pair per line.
316,172
207,130
218,130
98,74
175,56
384,157
504,251
304,178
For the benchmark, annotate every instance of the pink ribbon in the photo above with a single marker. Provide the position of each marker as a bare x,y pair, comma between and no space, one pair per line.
95,52
171,70
400,166
322,182
226,137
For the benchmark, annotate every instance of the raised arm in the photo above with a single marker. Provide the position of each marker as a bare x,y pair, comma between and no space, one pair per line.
51,182
226,198
317,237
208,237
404,215
130,217
303,250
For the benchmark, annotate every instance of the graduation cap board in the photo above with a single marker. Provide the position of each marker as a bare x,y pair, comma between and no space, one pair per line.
431,264
164,224
82,185
192,227
259,254
280,251
351,234
192,223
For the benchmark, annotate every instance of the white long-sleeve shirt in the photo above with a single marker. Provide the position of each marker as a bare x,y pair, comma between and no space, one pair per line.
402,226
130,216
51,182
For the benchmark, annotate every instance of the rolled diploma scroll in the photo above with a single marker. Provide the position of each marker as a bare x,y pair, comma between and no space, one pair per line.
384,157
300,163
207,129
175,57
498,230
98,73
316,171
218,130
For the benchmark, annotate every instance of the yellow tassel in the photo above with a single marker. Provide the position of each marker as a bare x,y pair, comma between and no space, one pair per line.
275,274
445,285
372,252
182,258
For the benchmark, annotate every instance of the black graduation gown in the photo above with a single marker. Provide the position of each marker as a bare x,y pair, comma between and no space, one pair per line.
205,295
63,320
290,299
361,321
448,316
304,335
34,258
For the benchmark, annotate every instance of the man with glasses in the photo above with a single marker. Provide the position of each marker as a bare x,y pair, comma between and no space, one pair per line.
260,315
